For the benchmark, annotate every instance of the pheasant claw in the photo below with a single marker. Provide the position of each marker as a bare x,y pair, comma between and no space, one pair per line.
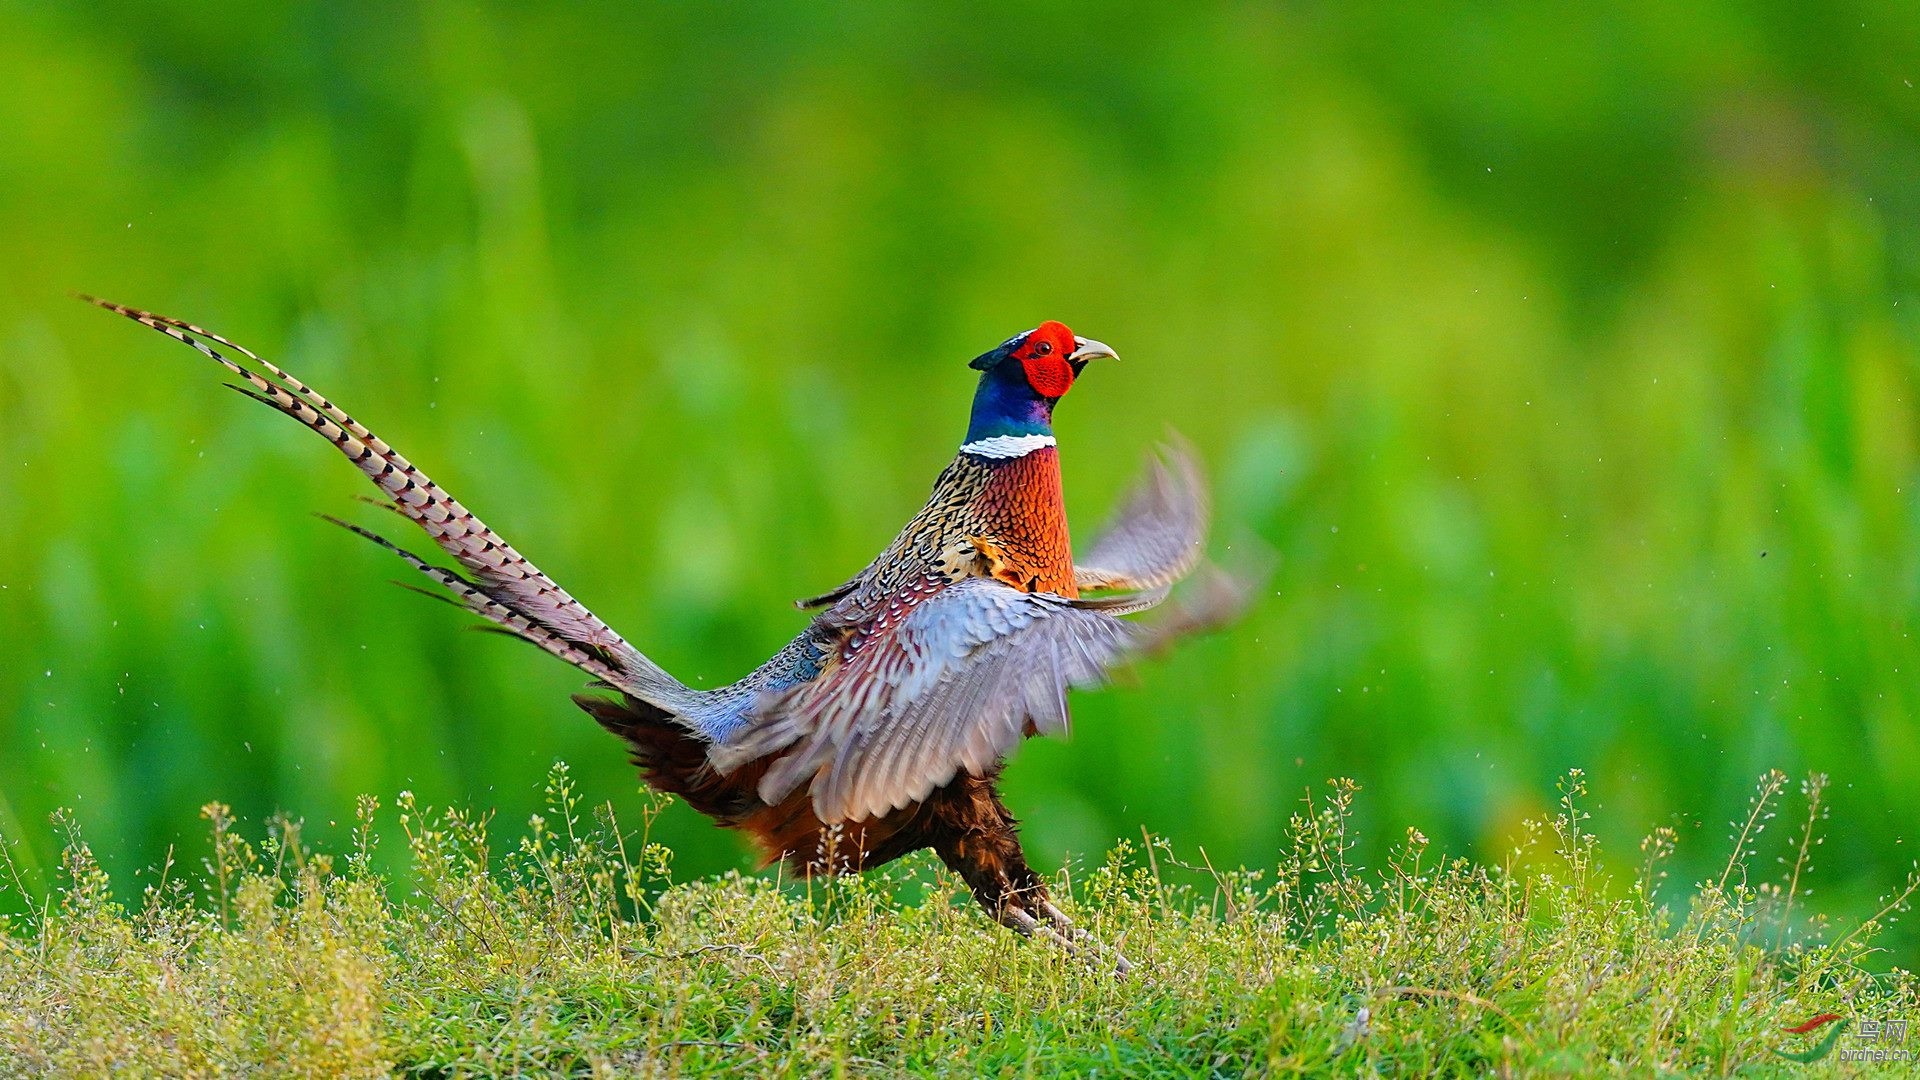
1121,965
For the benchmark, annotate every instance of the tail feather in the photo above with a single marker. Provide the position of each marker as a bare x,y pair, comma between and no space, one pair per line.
674,760
469,596
450,524
505,585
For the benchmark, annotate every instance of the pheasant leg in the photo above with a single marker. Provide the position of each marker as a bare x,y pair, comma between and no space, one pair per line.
976,837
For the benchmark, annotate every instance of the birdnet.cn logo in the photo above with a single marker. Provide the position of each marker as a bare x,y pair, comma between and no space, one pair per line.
1871,1042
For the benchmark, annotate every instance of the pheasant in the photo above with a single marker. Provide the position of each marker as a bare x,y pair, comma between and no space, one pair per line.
882,727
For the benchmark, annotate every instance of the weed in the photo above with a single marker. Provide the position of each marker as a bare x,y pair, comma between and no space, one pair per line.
572,950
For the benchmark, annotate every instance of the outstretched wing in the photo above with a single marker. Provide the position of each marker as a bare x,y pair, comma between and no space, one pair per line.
505,588
954,683
1159,532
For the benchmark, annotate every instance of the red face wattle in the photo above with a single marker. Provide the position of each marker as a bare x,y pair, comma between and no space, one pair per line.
1044,358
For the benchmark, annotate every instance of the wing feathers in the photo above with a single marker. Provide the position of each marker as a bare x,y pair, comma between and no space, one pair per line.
955,684
1158,534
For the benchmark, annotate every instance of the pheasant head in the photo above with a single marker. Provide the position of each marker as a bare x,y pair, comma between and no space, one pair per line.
1022,380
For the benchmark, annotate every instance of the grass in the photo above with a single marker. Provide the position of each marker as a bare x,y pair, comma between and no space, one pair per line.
574,951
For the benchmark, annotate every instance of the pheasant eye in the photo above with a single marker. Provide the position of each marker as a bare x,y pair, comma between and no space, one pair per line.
1043,348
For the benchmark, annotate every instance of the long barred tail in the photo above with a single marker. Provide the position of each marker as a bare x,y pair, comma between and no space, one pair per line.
505,588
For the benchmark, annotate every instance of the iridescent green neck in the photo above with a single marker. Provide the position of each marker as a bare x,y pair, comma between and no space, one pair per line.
1005,405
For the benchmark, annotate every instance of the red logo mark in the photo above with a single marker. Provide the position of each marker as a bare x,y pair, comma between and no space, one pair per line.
1817,1022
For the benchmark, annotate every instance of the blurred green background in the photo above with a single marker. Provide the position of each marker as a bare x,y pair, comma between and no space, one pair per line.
1568,359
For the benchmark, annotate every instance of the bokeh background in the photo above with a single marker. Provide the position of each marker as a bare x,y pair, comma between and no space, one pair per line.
1567,358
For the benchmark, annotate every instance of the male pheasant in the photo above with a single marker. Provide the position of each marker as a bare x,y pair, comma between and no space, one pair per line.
881,729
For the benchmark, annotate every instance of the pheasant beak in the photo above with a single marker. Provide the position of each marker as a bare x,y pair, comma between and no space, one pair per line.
1085,349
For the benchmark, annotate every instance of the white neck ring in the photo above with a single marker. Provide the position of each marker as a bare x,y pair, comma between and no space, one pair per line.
1006,446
